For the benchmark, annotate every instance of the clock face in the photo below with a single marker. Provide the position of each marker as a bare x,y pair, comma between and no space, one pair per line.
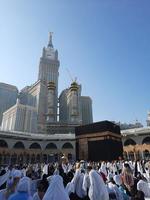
50,55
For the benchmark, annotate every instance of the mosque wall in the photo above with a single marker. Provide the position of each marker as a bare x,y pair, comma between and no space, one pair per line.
24,149
136,143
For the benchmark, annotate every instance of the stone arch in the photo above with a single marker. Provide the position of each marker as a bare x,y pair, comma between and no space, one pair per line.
129,142
19,145
51,146
146,140
35,146
67,145
3,144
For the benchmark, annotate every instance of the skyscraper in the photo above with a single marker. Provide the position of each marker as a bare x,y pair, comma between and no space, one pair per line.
20,118
8,97
86,110
39,102
48,73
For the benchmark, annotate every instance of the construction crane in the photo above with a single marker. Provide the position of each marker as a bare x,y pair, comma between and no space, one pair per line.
73,80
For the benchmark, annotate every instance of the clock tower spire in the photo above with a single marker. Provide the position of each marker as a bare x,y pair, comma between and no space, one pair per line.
50,44
49,73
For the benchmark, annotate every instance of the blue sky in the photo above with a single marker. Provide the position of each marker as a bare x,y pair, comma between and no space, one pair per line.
104,43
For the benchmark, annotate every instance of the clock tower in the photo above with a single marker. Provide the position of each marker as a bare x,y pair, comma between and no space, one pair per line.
49,72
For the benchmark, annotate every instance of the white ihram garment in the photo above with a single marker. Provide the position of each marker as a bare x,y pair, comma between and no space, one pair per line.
144,187
116,190
103,168
4,178
75,186
56,190
118,180
45,169
98,189
86,183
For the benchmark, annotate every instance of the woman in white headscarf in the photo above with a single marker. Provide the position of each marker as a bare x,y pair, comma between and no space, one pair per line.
113,187
98,189
75,186
143,186
23,190
103,168
56,190
12,183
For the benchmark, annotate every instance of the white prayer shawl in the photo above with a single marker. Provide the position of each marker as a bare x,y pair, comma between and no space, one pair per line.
71,186
97,190
132,165
4,178
17,173
119,165
144,187
23,172
116,191
36,196
11,172
76,184
114,168
24,185
33,186
56,190
45,169
86,182
2,194
139,167
56,172
36,168
49,179
108,165
103,168
110,175
65,168
78,187
118,180
147,175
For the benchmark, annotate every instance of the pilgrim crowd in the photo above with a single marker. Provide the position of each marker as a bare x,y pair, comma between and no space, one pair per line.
117,180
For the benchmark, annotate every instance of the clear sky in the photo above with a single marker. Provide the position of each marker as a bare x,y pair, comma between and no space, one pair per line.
104,43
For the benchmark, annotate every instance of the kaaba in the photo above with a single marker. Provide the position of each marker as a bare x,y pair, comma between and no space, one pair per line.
98,141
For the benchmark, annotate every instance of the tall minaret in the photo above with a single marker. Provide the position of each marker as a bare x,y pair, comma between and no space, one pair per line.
48,70
73,104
